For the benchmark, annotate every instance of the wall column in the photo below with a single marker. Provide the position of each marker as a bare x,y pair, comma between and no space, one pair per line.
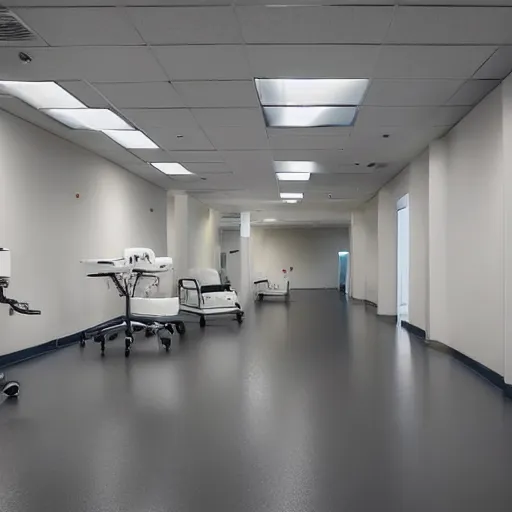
245,257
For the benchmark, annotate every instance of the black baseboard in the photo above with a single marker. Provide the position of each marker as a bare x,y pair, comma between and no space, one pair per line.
413,329
482,370
45,348
370,303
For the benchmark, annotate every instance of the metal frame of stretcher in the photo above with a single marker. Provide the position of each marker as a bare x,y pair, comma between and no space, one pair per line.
131,323
261,293
203,312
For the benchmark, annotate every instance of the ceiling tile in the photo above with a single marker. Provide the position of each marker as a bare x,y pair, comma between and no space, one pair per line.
499,65
318,2
173,119
213,118
51,3
283,141
200,62
195,156
451,25
409,116
94,64
312,61
227,93
473,91
238,137
190,139
208,168
411,92
431,61
141,95
81,26
151,155
187,25
313,25
87,94
480,3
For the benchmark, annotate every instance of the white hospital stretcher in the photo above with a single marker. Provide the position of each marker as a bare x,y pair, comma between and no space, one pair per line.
130,274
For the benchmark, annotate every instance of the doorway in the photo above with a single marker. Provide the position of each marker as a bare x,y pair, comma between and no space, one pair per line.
402,259
343,272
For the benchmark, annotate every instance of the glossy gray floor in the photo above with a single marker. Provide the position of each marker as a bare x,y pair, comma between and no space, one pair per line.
316,406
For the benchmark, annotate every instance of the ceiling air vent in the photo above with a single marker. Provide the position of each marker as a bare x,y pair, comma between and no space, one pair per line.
12,28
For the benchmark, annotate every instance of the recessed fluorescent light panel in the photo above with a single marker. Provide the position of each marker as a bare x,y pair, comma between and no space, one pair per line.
294,166
322,92
41,94
290,201
97,119
171,168
309,117
293,176
292,195
131,139
269,220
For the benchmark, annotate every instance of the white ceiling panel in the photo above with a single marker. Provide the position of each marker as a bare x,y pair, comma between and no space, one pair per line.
406,116
215,118
195,156
283,141
238,137
312,61
94,64
499,65
180,139
86,93
173,119
81,26
187,25
318,2
75,3
314,25
481,3
141,95
451,25
411,92
214,93
151,174
473,91
151,155
208,168
431,61
199,62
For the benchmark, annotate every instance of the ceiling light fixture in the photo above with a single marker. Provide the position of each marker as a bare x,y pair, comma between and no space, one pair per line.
290,201
293,176
294,166
96,119
309,117
269,220
171,168
292,195
41,94
311,91
131,139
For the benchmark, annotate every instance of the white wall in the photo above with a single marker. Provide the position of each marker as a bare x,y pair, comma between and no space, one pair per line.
371,250
474,225
49,230
312,252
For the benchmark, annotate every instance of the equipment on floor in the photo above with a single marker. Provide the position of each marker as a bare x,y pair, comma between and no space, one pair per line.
136,274
264,288
202,293
10,388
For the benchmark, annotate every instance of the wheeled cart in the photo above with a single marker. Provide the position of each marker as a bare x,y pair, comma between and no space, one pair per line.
264,288
203,294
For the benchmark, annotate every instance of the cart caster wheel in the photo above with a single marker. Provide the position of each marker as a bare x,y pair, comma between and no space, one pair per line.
11,389
127,344
260,297
202,322
148,333
180,327
102,353
239,318
82,342
102,347
127,353
166,342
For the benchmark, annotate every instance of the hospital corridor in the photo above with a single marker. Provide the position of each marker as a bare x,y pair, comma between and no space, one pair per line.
255,255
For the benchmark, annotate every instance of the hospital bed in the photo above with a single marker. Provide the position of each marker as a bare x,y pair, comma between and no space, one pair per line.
202,293
10,388
136,273
264,288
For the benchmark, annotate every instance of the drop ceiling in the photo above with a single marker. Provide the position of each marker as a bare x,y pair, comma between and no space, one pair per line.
183,73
